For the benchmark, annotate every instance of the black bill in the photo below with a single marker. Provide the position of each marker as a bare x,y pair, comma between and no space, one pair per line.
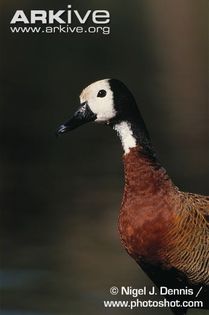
82,116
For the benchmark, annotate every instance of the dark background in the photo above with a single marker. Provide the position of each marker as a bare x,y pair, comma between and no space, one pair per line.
60,197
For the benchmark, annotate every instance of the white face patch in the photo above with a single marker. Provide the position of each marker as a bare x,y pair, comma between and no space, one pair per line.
103,107
126,136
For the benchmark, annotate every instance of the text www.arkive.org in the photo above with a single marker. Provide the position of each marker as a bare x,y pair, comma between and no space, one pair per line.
103,30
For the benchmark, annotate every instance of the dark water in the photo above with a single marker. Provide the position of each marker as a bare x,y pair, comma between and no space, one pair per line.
60,249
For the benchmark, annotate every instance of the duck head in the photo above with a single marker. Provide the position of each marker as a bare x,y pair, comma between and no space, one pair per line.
109,101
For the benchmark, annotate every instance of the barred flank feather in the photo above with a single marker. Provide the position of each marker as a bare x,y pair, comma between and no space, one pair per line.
189,238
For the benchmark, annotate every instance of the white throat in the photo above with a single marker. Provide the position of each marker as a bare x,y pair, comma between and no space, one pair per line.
126,136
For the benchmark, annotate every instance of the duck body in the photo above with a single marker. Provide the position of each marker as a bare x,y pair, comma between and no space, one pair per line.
152,212
165,230
146,213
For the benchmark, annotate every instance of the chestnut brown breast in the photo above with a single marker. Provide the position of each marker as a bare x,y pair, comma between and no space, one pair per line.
146,211
161,225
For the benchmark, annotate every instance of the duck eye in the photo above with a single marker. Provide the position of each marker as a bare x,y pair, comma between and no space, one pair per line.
102,93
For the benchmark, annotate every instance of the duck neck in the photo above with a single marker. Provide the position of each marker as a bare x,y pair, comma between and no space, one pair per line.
133,133
143,171
144,174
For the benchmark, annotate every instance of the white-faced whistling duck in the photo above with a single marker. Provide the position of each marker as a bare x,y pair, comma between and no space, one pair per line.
164,229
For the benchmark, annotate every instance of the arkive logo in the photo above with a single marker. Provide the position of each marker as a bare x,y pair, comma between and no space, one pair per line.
61,21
